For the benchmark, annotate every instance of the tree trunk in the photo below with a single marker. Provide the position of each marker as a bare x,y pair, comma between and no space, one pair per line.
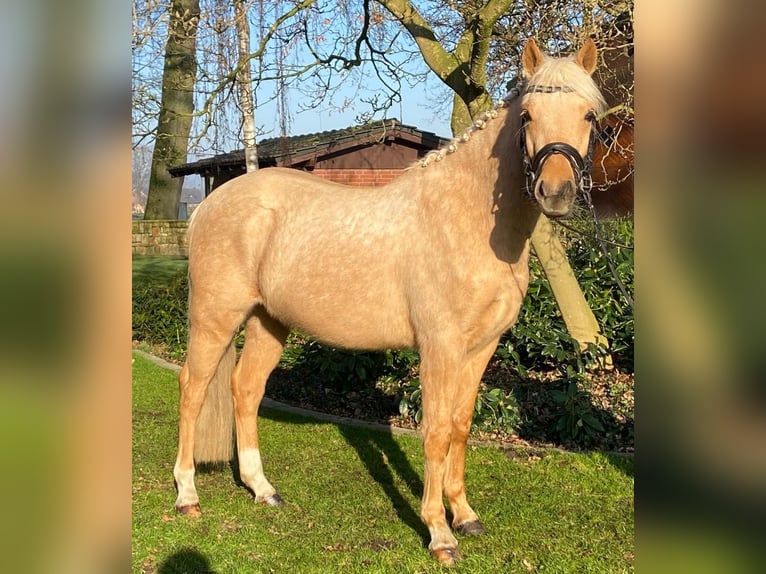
245,86
464,69
578,317
176,109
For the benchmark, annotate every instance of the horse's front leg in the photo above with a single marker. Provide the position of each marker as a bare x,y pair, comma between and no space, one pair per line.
439,369
465,521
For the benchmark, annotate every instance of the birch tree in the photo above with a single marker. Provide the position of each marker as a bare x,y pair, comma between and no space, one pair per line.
245,85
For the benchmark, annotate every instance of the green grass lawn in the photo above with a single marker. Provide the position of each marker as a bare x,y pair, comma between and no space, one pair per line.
353,498
156,268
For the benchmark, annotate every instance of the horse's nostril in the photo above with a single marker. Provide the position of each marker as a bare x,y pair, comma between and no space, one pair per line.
563,189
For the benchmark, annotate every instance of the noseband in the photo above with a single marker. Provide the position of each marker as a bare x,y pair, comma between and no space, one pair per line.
580,166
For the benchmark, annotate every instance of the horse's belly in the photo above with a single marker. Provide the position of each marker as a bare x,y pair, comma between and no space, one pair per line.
346,316
362,332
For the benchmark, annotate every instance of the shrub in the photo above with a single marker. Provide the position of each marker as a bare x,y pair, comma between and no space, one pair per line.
575,416
601,289
540,340
344,370
159,313
340,369
495,410
411,403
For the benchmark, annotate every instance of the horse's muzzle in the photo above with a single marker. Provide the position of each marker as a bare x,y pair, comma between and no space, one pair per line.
556,198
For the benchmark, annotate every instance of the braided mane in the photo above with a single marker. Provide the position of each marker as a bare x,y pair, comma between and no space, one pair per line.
516,88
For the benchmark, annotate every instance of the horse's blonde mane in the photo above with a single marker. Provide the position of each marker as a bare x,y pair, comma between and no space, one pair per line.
557,72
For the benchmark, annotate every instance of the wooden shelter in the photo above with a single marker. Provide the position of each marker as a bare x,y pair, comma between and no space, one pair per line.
371,154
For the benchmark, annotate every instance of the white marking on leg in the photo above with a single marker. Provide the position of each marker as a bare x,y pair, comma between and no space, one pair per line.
251,473
187,492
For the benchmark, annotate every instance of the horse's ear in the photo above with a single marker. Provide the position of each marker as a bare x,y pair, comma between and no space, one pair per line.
587,57
531,58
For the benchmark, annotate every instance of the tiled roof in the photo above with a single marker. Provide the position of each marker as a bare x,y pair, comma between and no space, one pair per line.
295,149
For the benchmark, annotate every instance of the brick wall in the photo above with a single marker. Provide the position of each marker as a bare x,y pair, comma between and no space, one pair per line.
359,177
160,237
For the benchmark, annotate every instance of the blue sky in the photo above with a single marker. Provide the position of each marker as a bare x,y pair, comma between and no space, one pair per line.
419,108
422,104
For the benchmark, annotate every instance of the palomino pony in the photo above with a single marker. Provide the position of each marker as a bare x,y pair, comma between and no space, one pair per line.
437,260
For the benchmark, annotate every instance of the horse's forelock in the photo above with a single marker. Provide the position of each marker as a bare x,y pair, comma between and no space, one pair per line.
566,72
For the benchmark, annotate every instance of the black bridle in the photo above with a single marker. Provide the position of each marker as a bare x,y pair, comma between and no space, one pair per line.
581,167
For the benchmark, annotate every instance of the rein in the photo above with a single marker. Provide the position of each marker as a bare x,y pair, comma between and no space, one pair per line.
602,244
580,166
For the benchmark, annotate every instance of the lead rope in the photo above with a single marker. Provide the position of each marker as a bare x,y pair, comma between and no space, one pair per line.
602,245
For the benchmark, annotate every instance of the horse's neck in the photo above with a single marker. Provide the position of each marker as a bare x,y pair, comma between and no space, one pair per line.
483,179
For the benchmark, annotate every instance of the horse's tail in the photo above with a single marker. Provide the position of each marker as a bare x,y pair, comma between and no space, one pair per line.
214,430
214,433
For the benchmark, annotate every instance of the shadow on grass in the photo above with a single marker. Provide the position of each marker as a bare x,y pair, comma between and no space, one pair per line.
389,466
550,412
622,462
382,456
186,561
157,269
383,459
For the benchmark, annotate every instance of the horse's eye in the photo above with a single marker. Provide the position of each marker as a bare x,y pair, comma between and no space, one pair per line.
525,117
590,116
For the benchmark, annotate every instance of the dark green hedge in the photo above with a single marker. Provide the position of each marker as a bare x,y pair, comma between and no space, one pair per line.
159,311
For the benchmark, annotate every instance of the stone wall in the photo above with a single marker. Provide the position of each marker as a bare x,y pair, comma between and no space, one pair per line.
160,237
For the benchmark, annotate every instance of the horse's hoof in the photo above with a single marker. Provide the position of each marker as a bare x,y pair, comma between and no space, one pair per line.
472,528
273,500
189,510
447,556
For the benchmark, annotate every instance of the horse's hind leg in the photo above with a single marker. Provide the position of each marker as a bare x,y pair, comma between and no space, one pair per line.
465,520
209,350
264,341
